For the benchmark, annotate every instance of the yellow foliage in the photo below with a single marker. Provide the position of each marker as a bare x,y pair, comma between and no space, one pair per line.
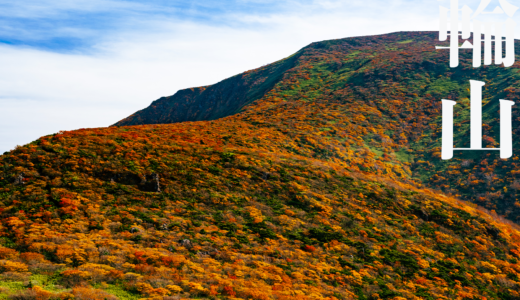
255,214
194,286
8,253
13,266
174,288
423,263
132,276
488,266
91,294
41,294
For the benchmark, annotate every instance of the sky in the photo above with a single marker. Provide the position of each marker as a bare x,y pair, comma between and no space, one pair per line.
70,64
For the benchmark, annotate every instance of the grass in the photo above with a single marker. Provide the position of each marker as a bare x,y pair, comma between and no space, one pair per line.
121,293
403,155
9,287
444,86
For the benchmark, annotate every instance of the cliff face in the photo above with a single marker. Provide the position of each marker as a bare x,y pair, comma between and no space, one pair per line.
215,101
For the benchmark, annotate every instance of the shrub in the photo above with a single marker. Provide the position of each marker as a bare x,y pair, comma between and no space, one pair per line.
228,290
35,293
32,257
174,288
13,266
131,276
147,289
254,294
114,275
227,156
41,294
196,288
28,294
145,269
97,272
72,278
309,248
6,253
14,276
47,268
173,260
84,293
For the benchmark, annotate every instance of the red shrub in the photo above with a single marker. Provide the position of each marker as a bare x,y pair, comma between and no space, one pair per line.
228,290
309,248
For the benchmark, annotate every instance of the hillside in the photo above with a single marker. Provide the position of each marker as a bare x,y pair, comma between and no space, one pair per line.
379,97
221,209
312,191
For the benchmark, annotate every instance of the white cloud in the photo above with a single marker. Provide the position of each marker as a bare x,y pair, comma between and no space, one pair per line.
42,93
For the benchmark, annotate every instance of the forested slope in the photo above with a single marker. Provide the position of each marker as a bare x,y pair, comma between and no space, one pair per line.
222,209
380,98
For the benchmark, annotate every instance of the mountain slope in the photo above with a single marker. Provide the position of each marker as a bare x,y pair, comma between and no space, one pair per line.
374,103
212,102
221,209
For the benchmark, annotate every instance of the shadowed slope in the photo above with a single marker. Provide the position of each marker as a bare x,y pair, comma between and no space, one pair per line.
215,101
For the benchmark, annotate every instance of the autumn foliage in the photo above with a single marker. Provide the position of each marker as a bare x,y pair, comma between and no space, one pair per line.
306,194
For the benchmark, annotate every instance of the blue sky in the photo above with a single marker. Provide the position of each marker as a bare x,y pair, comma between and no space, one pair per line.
69,64
77,26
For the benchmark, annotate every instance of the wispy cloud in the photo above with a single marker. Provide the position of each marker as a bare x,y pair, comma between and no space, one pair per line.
74,64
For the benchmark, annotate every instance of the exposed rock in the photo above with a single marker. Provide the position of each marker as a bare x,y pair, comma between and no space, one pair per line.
186,244
19,179
212,252
150,183
155,183
134,229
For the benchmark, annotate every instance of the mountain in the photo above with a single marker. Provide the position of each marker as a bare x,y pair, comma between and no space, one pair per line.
308,192
381,96
212,102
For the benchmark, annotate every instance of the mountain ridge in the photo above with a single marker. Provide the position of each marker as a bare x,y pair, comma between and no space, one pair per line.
141,117
232,94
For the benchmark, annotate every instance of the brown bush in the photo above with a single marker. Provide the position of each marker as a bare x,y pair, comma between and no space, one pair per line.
28,294
45,268
114,275
72,278
32,257
14,276
84,293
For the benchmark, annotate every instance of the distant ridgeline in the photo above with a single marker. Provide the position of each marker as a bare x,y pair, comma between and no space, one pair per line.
375,103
